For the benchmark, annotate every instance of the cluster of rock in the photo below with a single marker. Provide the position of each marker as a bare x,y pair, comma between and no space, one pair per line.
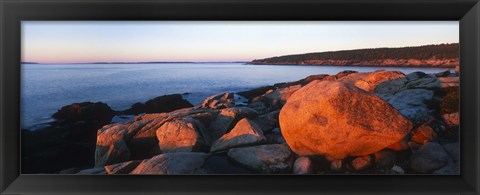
376,122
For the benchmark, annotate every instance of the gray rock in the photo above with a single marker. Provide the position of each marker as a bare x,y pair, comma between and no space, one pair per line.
303,165
274,158
97,170
385,159
122,168
429,158
172,163
268,121
411,103
453,149
450,169
115,153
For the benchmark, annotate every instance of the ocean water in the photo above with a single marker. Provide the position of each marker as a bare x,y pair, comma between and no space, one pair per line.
46,88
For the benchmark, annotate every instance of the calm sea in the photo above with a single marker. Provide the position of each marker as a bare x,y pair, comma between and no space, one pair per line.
46,88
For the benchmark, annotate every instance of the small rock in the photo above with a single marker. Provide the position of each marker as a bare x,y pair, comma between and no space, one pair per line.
450,169
452,119
303,165
336,165
398,169
423,134
273,158
250,94
385,159
362,163
275,138
429,158
268,121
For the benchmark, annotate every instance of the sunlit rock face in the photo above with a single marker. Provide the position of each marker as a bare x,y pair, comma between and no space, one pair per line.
245,133
369,80
337,119
184,135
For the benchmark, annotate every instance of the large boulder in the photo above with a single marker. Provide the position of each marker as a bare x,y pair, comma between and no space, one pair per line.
219,101
183,135
166,103
245,133
337,119
172,163
369,80
227,118
85,111
274,158
429,158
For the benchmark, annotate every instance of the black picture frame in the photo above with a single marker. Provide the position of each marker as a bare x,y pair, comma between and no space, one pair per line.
12,12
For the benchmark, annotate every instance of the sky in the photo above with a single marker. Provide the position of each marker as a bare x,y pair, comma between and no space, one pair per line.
216,41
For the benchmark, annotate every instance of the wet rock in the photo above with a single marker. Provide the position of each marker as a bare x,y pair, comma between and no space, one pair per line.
182,135
85,111
429,158
166,103
172,163
122,168
274,158
245,133
136,109
227,118
303,165
219,101
250,94
363,123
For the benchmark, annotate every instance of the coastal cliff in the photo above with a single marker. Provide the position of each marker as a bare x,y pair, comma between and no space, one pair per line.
443,55
381,122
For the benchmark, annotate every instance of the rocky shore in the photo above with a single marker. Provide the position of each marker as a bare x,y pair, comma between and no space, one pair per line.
381,122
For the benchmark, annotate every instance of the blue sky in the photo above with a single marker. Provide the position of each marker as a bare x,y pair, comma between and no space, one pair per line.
135,41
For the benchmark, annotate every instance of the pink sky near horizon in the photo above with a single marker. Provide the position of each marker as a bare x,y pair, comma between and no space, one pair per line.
84,42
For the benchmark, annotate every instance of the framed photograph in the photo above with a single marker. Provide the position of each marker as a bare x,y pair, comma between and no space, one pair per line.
240,97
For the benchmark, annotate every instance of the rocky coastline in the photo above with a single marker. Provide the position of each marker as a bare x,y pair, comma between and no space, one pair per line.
381,122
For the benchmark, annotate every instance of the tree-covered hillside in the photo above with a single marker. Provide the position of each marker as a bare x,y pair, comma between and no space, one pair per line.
427,52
